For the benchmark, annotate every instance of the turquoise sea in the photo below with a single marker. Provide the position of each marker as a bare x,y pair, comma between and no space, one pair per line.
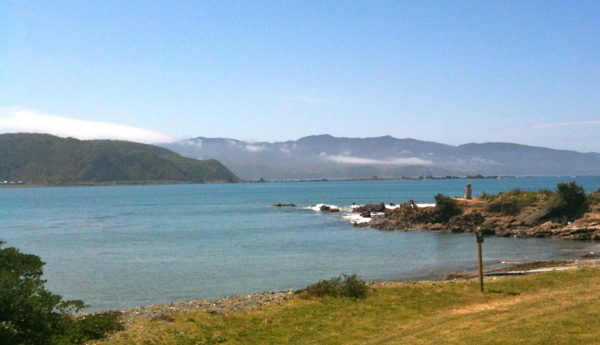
124,246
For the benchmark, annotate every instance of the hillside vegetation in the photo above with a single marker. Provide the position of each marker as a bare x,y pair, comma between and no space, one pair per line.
50,160
550,308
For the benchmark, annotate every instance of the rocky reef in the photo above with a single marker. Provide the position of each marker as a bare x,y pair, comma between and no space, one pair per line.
515,213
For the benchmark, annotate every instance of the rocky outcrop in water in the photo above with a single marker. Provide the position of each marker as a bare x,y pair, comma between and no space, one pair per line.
369,208
491,217
327,208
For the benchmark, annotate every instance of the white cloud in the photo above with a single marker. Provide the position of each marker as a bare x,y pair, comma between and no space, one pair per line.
31,121
231,143
564,124
195,142
391,161
479,160
254,148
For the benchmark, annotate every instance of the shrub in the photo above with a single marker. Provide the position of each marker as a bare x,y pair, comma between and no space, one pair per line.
594,198
331,287
446,207
345,286
569,202
32,315
519,197
354,287
94,326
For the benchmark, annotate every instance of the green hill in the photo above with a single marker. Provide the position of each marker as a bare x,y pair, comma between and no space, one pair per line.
50,160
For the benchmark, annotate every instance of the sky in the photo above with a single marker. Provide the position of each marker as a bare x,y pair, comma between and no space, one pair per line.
447,71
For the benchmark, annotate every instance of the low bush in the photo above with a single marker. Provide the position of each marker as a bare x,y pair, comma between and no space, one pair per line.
519,197
594,197
446,208
94,326
345,286
32,315
570,202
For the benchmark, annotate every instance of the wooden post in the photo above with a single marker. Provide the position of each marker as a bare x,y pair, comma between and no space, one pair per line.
480,258
468,192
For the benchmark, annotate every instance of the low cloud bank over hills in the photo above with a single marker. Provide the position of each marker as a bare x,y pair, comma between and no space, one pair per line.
325,156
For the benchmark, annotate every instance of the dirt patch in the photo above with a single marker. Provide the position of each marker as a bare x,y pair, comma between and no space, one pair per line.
494,305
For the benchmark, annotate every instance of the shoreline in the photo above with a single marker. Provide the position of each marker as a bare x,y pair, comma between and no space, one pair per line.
242,303
159,183
116,184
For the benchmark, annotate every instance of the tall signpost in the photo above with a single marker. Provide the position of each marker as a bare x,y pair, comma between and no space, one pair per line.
479,235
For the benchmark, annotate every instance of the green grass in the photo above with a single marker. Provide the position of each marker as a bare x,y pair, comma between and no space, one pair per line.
550,308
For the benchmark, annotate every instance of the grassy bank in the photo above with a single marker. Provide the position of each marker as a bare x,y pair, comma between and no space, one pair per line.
550,308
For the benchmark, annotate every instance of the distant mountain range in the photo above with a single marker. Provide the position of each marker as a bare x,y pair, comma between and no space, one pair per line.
50,160
325,156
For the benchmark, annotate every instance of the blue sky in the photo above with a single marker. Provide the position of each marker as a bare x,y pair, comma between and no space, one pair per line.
446,71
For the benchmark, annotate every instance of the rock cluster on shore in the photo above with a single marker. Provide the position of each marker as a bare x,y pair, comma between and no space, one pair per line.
498,218
214,306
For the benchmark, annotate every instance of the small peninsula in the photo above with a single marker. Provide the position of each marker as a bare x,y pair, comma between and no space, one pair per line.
43,159
567,213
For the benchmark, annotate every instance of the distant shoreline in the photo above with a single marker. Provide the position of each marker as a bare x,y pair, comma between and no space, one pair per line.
402,178
375,178
104,184
145,183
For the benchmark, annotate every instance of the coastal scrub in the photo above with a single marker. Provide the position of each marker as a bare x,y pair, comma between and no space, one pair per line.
32,315
569,203
345,286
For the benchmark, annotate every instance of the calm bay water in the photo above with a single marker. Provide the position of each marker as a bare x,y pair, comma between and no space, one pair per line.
118,247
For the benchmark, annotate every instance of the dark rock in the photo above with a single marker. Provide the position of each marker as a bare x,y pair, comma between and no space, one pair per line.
370,208
326,208
465,222
534,217
284,205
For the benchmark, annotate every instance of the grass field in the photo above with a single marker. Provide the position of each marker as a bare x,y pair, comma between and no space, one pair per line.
550,308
